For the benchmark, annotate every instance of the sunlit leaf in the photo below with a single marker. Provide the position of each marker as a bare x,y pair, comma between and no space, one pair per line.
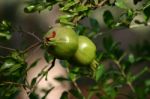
68,5
66,22
131,58
30,9
121,4
81,8
5,28
99,72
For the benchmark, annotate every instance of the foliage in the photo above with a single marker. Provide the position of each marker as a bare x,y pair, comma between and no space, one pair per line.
108,80
5,28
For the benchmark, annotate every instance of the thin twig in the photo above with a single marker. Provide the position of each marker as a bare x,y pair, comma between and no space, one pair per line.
29,33
32,46
36,37
74,83
102,3
52,64
84,1
2,57
124,75
7,48
45,73
77,87
13,83
126,95
131,86
119,67
123,55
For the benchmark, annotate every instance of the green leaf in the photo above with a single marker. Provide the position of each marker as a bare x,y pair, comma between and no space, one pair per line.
47,92
146,11
48,57
99,72
68,5
66,16
49,7
34,63
7,64
147,83
81,8
108,19
14,68
121,4
131,58
5,28
135,77
33,96
74,73
110,91
33,81
95,25
76,94
64,95
30,9
9,92
107,42
66,22
6,35
61,78
18,56
80,29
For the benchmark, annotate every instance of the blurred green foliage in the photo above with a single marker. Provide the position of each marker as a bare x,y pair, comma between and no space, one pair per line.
5,30
109,80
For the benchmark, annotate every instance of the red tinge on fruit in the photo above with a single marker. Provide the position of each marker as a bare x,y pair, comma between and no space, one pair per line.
53,34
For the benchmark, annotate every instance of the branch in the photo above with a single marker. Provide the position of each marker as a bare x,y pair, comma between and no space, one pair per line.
124,75
33,35
32,46
102,3
13,83
74,83
7,48
52,64
20,30
45,74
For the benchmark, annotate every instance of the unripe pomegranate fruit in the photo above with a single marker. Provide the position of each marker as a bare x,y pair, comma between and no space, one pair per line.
61,42
86,51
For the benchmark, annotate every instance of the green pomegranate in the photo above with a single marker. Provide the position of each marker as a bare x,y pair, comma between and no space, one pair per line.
61,42
86,51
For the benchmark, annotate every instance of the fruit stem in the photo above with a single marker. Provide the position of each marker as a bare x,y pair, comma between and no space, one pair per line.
51,42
